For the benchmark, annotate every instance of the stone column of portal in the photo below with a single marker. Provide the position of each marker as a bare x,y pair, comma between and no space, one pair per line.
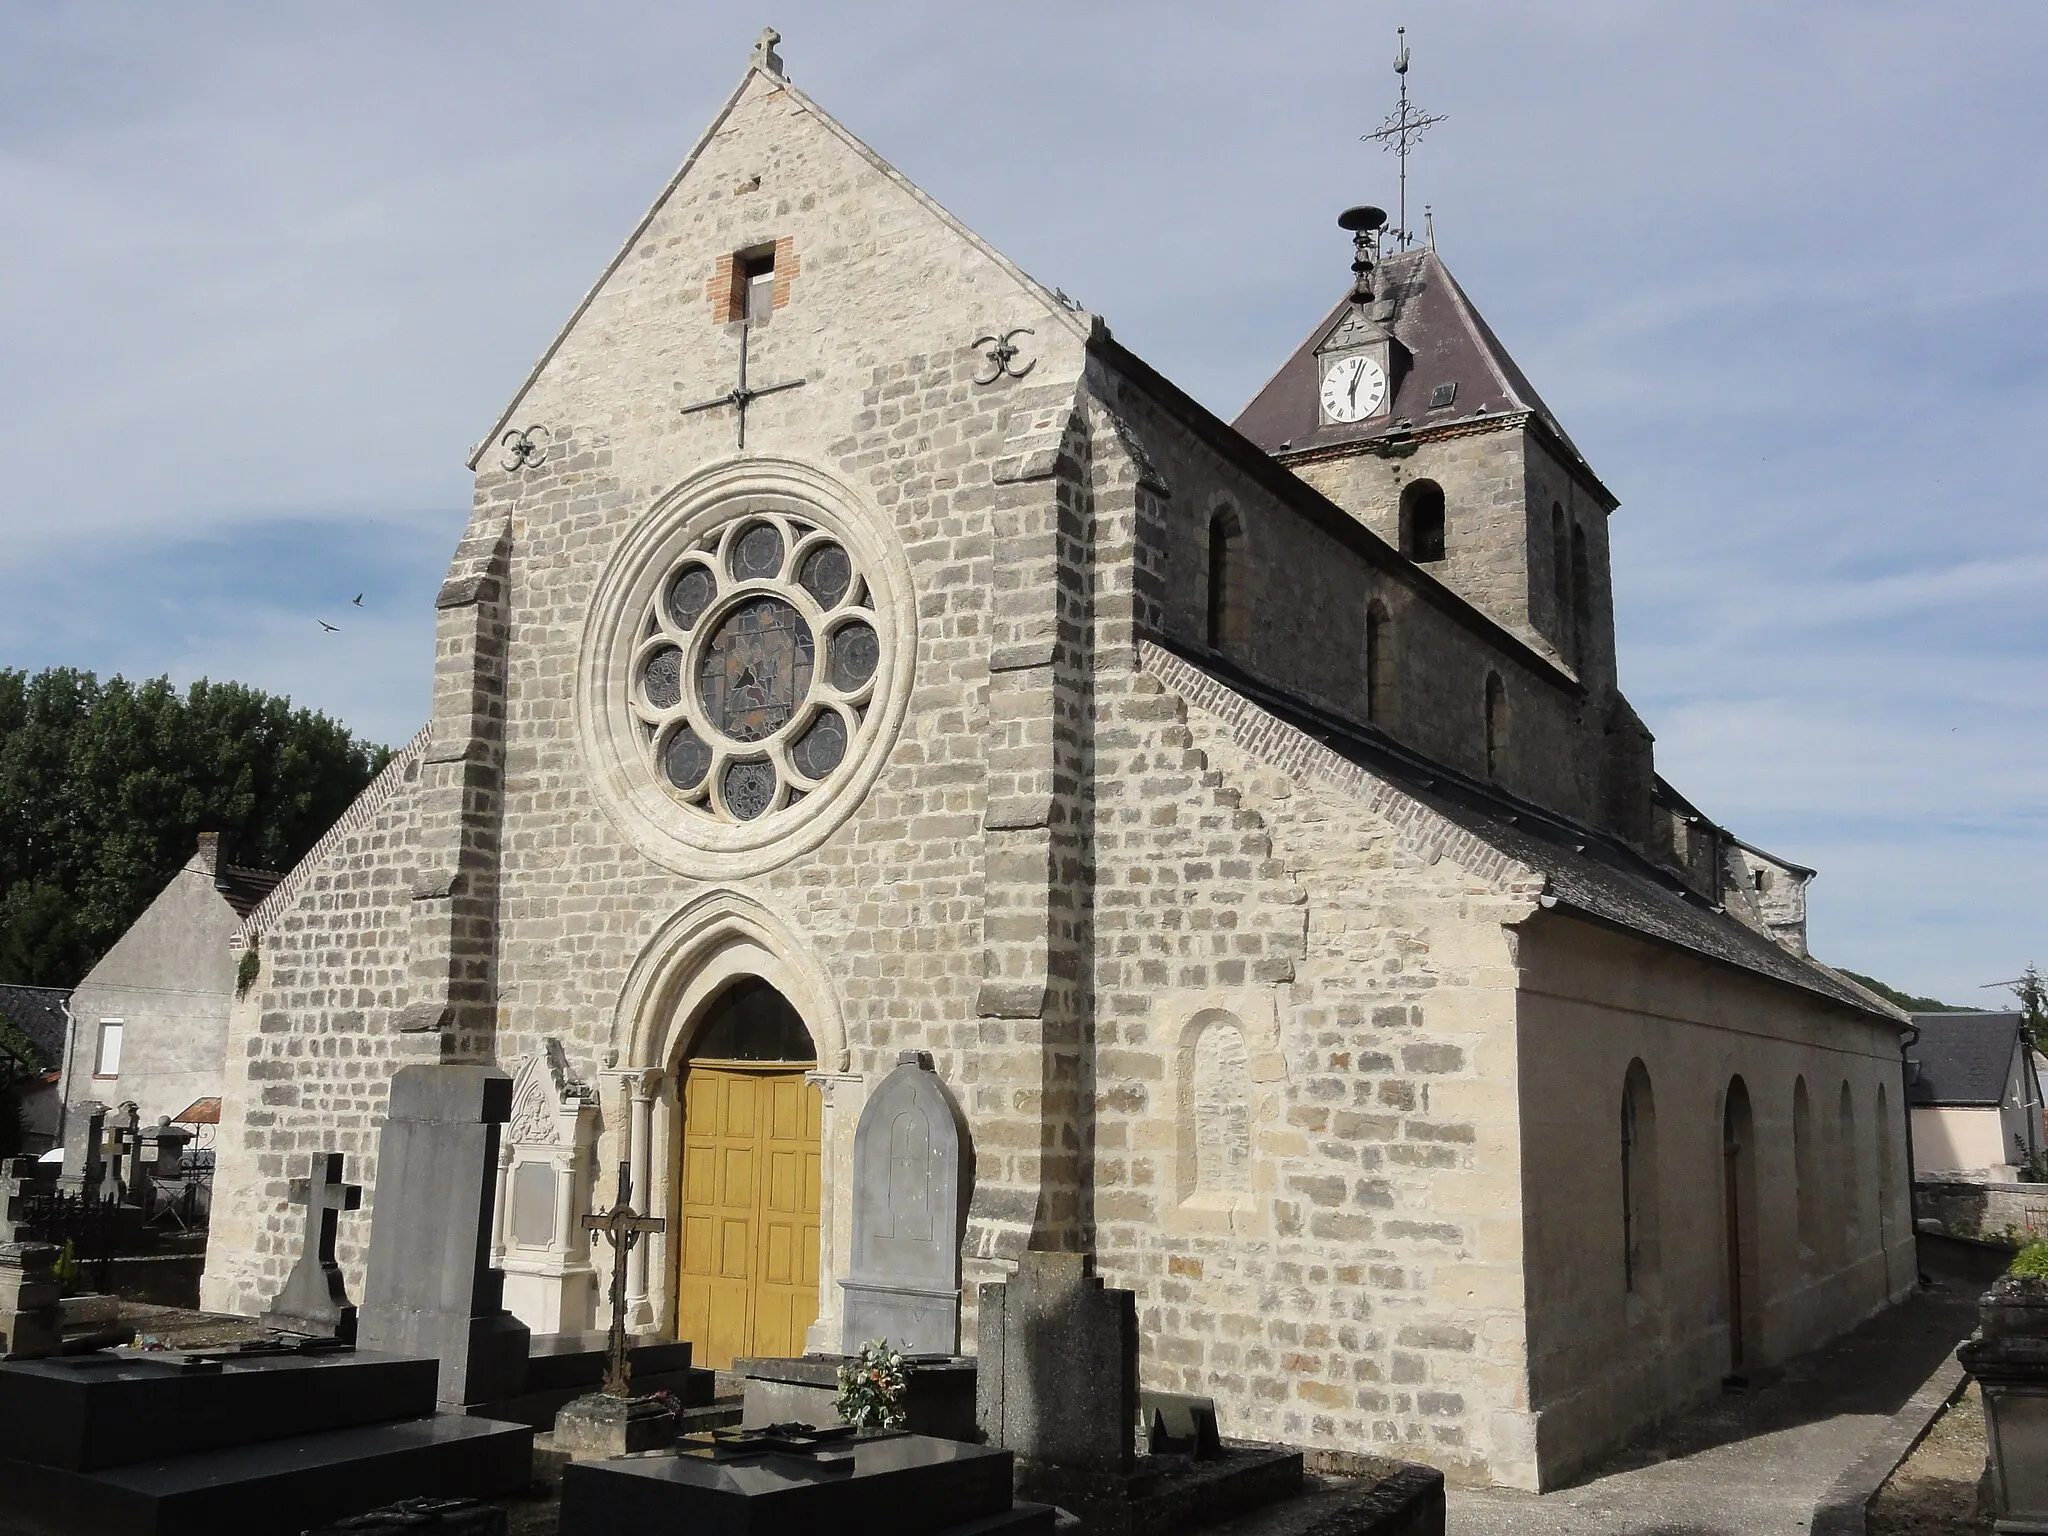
641,1160
501,1221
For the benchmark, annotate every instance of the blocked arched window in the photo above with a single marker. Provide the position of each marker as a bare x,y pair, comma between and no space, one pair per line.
1496,725
1803,1189
1884,1167
1582,598
1560,575
1638,1177
1850,1175
1379,663
1422,521
1227,580
1215,1129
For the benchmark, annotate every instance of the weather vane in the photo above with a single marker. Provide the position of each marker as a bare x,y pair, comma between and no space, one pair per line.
1403,129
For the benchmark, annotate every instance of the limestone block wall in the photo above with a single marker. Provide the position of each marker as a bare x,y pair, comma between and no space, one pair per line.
1309,594
312,1046
1332,1252
1832,1234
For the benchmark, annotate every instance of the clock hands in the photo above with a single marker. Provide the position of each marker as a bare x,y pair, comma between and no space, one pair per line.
1357,373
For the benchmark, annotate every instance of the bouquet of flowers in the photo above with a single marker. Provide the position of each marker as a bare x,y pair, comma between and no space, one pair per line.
872,1386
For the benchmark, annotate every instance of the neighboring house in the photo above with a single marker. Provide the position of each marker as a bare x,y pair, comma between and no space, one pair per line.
42,1014
150,1021
1975,1095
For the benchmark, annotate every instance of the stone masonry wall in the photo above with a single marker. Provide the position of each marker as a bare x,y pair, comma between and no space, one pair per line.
1362,1288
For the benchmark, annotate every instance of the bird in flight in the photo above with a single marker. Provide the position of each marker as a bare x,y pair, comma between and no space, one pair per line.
359,599
332,629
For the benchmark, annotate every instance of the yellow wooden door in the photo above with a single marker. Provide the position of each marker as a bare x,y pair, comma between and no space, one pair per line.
748,1261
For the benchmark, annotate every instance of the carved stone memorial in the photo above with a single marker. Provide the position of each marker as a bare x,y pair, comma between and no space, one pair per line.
314,1300
910,1178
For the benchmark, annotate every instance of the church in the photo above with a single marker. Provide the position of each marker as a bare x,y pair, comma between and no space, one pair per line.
854,649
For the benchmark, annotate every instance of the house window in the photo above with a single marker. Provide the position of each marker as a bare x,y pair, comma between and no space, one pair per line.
1226,580
108,1062
1422,521
1496,725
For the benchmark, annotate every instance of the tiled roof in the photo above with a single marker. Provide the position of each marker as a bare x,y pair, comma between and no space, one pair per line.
1448,344
1964,1058
1589,873
38,1012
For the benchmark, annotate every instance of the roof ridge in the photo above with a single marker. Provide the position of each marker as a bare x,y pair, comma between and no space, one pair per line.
373,798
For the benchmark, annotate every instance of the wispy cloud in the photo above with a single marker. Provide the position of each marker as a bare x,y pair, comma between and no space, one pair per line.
266,273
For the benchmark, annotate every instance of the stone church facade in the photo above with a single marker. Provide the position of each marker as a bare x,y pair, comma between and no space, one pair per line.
1244,818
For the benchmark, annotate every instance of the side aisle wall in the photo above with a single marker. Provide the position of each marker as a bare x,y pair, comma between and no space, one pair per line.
1829,1238
1307,1135
311,1050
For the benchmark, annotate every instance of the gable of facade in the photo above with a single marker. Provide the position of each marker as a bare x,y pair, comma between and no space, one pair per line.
990,698
1976,1100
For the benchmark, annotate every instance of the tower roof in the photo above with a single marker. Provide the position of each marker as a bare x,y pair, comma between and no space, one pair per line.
1448,342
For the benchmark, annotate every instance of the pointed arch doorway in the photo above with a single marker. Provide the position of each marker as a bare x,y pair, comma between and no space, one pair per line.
747,1265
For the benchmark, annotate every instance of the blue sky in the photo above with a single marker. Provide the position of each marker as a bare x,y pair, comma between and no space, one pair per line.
267,272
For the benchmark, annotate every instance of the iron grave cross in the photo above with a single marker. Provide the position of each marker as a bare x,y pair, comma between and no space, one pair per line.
621,1226
742,394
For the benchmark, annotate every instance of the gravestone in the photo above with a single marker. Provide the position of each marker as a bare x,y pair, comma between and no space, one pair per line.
315,1299
1178,1424
431,1289
84,1141
124,1142
31,1321
20,1177
612,1422
909,1209
1059,1365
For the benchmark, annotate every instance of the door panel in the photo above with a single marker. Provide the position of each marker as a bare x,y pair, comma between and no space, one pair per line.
747,1267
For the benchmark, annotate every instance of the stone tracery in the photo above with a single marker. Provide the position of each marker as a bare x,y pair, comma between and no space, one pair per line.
755,668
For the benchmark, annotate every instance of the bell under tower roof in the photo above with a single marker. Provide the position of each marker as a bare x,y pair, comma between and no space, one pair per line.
1457,373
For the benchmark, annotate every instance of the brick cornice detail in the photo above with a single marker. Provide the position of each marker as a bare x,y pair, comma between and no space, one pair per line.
1270,740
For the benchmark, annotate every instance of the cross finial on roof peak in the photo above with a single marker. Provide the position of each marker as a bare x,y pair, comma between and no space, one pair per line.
766,59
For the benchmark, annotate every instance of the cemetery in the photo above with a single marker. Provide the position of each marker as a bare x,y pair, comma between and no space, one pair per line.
427,1405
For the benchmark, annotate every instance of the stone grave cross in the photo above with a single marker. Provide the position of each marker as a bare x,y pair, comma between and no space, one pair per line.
621,1226
314,1300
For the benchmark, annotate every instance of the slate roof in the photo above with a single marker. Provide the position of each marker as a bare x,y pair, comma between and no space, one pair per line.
1965,1059
1591,874
38,1012
244,889
1448,343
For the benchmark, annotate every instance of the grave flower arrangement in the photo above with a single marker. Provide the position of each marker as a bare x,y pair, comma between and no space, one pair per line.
872,1386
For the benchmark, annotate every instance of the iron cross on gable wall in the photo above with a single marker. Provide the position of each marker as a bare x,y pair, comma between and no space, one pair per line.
621,1227
742,394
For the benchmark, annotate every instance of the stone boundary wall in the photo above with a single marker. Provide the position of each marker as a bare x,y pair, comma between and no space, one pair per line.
1966,1207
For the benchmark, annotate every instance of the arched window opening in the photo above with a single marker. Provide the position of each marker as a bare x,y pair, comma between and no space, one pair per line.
1803,1189
1582,599
1496,725
1379,664
1639,1192
1215,1129
1422,521
1560,575
1226,580
1738,1210
1845,1152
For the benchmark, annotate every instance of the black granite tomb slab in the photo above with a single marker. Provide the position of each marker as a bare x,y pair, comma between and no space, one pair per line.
85,1412
909,1485
561,1367
283,1486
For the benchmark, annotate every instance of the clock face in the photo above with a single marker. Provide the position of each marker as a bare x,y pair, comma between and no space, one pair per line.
1353,388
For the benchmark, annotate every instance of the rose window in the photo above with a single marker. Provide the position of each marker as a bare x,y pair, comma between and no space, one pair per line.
756,667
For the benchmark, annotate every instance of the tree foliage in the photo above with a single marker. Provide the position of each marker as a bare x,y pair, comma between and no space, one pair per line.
2030,991
1906,1000
104,788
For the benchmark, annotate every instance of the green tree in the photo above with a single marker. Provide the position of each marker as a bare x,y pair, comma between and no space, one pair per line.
2030,988
105,786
